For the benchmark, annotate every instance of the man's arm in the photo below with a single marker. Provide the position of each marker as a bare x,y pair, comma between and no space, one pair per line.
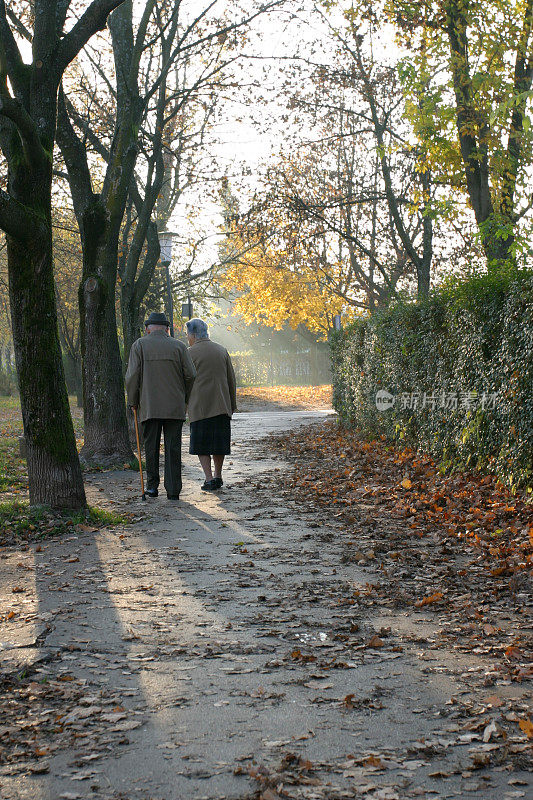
232,383
133,376
189,373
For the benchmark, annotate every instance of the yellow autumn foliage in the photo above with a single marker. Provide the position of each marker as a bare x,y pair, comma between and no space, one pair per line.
281,281
273,295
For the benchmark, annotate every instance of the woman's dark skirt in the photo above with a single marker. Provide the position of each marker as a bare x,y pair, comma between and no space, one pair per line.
211,436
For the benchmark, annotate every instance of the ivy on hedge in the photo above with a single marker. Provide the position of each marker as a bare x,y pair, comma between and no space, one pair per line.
460,368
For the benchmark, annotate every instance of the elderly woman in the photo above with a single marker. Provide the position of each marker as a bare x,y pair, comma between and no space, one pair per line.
212,402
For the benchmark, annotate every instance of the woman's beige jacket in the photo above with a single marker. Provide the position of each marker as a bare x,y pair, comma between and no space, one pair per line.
214,391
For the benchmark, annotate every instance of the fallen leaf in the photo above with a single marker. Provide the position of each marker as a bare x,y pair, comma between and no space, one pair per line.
373,761
495,701
432,598
348,701
489,731
527,726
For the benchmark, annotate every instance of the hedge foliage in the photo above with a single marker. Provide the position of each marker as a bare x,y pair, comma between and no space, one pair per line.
460,368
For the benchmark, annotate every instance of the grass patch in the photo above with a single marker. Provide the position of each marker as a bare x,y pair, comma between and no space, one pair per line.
20,521
13,471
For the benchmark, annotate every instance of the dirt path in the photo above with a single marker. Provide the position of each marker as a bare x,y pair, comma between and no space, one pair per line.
208,651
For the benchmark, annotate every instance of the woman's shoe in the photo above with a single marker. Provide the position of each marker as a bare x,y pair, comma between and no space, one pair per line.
219,483
209,486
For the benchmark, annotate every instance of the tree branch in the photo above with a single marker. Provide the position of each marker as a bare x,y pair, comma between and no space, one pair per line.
392,200
523,75
92,20
89,134
10,58
139,39
13,110
20,27
473,151
101,72
61,14
44,30
75,157
151,258
181,47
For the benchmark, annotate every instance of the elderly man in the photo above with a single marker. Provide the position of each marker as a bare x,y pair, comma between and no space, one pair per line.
213,400
160,378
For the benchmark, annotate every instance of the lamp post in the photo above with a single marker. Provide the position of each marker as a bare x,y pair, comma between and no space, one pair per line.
186,308
165,243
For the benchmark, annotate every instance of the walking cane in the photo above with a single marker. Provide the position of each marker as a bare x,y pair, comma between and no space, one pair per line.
143,496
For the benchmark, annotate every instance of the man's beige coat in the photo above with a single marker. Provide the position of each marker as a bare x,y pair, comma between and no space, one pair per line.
214,391
160,376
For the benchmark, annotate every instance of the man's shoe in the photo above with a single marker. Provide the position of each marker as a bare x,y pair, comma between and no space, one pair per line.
173,497
209,486
219,483
152,492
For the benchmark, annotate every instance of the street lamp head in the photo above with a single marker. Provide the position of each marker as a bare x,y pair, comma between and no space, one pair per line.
165,243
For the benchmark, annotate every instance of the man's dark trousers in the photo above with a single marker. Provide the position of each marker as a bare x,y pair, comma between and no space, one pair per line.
152,440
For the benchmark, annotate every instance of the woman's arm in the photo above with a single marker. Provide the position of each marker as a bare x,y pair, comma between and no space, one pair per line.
231,382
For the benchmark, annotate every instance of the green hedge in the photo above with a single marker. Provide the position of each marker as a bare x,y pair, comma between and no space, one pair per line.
472,341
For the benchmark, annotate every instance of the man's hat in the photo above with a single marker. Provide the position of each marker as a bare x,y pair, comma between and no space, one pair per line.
157,318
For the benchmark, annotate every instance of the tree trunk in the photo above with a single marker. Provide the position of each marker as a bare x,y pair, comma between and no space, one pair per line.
106,432
423,265
134,282
106,439
423,280
131,323
496,228
131,331
73,375
55,477
497,238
